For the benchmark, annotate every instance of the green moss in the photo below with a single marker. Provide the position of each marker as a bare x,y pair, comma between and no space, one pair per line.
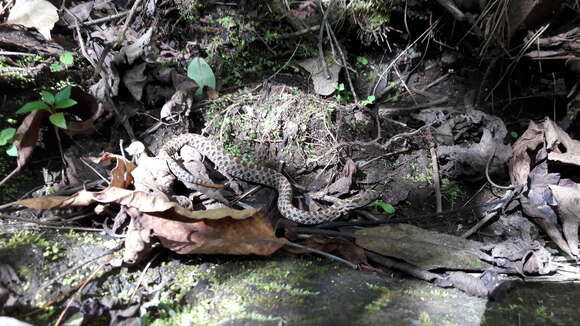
382,301
191,315
417,174
298,120
451,191
20,239
189,9
425,319
372,18
236,48
239,291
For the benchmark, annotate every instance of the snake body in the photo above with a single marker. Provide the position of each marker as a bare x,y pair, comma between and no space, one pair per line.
256,174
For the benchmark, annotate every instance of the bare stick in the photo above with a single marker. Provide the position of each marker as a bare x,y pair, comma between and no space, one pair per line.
83,285
436,180
322,253
453,10
100,20
9,53
402,266
343,59
300,32
510,187
143,276
423,35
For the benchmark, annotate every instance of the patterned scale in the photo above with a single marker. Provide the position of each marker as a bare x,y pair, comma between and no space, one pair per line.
256,174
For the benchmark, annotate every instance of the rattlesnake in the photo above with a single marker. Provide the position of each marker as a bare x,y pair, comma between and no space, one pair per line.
255,174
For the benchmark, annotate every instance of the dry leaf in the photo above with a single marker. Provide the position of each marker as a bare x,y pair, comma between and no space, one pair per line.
27,135
253,235
39,14
550,198
145,202
26,138
568,199
87,109
121,176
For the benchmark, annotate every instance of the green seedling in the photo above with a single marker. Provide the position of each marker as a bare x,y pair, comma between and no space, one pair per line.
67,59
370,100
6,136
362,61
387,208
201,73
51,103
342,96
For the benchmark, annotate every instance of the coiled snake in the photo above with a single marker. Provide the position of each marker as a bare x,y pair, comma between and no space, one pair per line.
256,174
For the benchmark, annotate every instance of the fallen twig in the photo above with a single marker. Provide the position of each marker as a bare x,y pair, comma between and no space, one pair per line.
436,178
299,33
100,20
402,266
80,289
322,253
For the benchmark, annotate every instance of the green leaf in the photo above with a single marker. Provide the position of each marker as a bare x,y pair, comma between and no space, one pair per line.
6,135
63,94
58,120
12,151
47,97
32,106
387,208
338,87
55,67
362,60
66,103
201,73
370,100
67,58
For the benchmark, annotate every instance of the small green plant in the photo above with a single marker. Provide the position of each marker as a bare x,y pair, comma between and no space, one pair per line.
53,251
51,103
387,208
6,136
271,37
201,73
67,59
451,191
362,61
227,22
370,100
338,87
397,88
342,96
32,59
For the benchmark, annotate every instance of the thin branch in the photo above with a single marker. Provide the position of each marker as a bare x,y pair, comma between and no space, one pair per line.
100,20
436,178
322,253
